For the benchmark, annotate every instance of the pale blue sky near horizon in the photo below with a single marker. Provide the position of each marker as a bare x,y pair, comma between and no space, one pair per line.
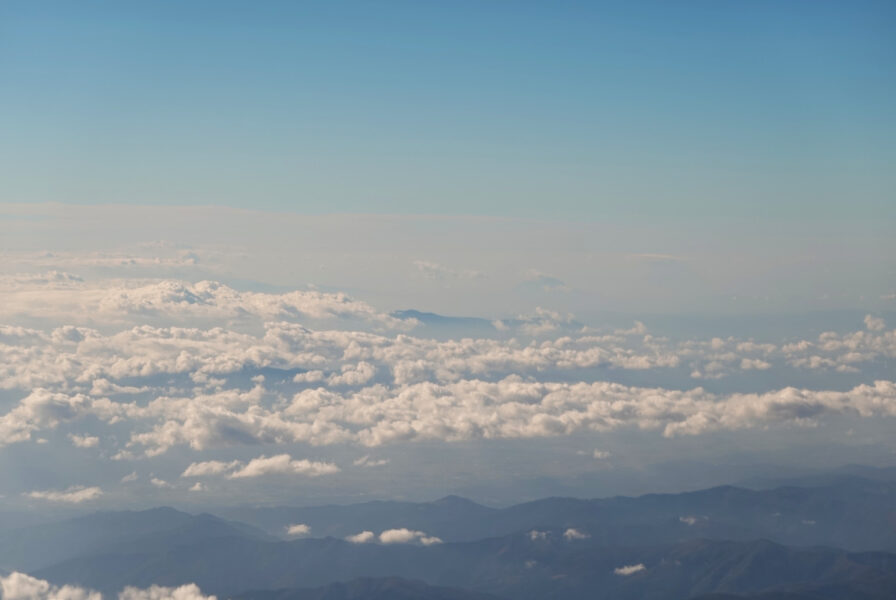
583,111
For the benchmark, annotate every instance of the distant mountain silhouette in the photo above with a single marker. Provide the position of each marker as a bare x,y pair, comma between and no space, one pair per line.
515,566
857,514
388,588
30,548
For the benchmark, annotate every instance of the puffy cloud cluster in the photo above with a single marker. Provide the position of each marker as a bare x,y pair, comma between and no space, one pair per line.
395,536
19,586
251,370
67,298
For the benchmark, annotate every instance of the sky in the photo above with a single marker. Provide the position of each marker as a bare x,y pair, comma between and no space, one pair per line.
280,252
596,110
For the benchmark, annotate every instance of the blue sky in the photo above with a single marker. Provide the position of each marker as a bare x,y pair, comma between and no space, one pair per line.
594,111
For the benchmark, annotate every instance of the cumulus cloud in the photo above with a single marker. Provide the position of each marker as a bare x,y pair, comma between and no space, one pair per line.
366,461
574,534
179,367
298,530
190,591
84,441
160,483
407,536
209,467
538,535
19,586
361,538
627,570
874,323
284,464
73,495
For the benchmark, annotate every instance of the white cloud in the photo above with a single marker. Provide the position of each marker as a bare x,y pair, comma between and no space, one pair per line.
84,441
197,487
874,323
361,538
160,483
366,461
627,570
284,464
72,495
601,454
185,592
298,530
132,476
407,536
19,586
209,467
538,535
574,534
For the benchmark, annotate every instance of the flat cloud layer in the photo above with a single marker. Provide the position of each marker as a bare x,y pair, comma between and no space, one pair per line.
132,369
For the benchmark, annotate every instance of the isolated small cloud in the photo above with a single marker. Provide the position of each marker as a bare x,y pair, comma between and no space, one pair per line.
298,530
72,495
361,538
601,454
366,461
629,569
874,323
538,535
197,487
209,467
284,464
132,476
407,536
84,441
574,534
160,483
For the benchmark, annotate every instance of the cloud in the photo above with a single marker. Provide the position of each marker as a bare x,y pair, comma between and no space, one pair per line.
627,570
72,495
407,536
19,586
601,454
284,464
132,476
160,483
185,592
574,534
366,461
197,487
874,323
84,441
298,530
361,538
433,270
538,535
209,467
122,301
